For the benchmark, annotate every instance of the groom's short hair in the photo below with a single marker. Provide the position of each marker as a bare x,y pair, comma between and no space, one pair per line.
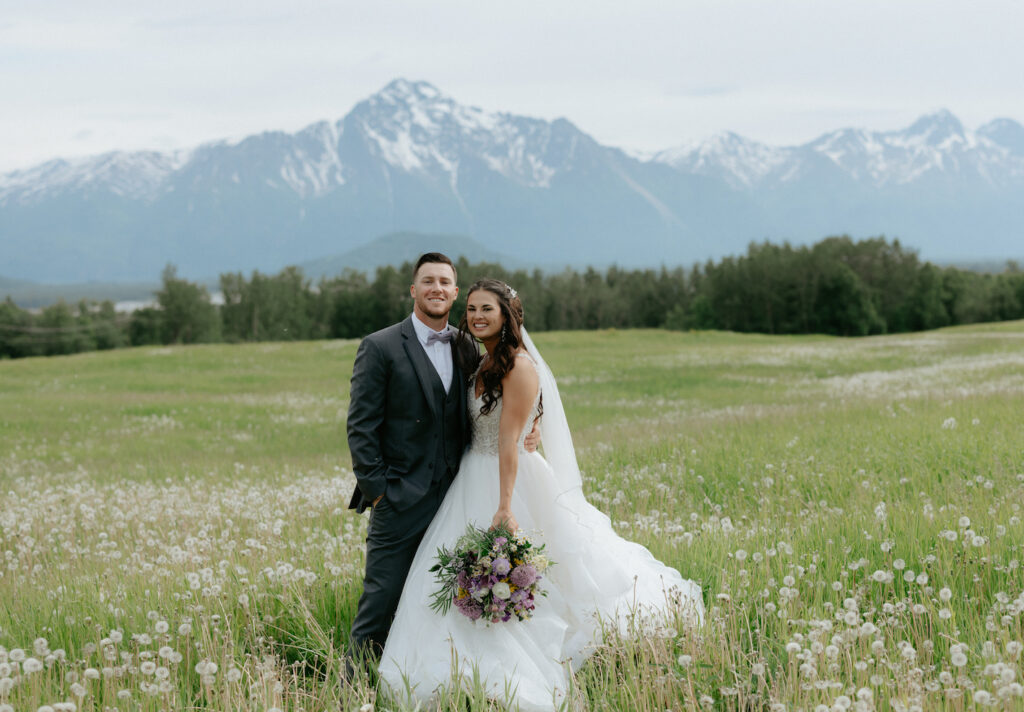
435,257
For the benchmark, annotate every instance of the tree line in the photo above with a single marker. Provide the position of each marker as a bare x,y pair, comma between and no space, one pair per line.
837,286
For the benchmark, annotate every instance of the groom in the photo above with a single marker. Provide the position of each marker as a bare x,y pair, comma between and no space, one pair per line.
408,426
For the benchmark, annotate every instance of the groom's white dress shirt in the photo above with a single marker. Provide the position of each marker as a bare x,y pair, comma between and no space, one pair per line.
439,352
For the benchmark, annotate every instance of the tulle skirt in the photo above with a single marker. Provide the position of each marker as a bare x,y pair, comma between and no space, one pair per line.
598,577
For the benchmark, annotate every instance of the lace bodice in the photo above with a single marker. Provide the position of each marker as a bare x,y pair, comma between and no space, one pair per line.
486,427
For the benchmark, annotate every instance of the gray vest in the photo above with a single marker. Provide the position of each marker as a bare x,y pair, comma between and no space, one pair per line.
452,440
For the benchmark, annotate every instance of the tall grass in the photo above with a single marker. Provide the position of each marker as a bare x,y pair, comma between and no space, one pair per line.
174,531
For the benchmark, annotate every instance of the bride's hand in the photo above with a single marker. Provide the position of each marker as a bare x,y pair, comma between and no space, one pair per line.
532,441
504,517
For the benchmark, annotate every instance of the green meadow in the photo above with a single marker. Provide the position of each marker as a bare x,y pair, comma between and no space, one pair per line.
174,529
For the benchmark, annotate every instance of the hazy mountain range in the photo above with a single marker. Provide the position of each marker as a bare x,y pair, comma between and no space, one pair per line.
410,158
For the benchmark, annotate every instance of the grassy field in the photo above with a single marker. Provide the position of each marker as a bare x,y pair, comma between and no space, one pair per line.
174,530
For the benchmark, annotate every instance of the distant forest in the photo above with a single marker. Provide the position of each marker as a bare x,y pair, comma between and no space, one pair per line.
838,286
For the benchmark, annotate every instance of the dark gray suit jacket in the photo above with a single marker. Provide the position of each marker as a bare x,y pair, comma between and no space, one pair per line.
394,417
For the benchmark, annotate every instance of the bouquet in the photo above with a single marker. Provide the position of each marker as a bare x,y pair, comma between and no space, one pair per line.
492,574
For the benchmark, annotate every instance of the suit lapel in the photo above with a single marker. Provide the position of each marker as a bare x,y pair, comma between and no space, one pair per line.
463,385
425,371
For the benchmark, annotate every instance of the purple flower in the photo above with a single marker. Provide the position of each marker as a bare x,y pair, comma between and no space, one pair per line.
500,541
469,608
523,575
501,566
519,595
463,580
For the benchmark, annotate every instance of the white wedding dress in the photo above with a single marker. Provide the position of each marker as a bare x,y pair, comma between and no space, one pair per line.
596,575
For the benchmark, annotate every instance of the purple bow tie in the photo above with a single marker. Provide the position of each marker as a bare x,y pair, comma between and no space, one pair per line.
442,336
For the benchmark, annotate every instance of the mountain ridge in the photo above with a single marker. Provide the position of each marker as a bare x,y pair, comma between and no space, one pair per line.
410,158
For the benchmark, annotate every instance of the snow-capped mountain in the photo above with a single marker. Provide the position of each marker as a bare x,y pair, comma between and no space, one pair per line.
412,158
936,144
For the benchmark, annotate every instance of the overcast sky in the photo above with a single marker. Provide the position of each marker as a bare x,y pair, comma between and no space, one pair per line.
80,78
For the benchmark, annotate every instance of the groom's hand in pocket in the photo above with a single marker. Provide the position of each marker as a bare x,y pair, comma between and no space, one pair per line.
532,441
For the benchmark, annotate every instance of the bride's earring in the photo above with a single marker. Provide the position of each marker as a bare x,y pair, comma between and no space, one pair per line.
504,328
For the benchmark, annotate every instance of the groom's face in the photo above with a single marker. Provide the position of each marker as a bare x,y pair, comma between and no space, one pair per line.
434,291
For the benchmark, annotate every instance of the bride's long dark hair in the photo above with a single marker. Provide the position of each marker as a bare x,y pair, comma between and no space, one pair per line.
495,368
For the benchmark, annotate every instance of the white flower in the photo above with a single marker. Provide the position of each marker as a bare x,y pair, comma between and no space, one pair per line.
982,697
684,660
945,594
234,675
124,694
368,707
161,627
206,668
148,667
31,665
757,669
501,590
949,423
77,689
958,659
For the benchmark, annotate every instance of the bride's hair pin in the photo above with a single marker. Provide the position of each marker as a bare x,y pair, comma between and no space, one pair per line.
512,294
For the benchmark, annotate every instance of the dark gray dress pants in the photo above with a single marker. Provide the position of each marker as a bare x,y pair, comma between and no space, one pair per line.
391,541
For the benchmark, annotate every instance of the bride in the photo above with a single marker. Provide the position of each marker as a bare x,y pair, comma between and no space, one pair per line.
597,576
